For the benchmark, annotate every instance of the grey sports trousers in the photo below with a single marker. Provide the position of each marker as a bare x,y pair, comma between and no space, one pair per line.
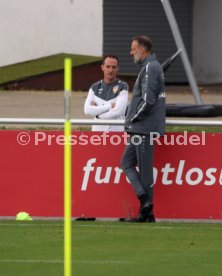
139,152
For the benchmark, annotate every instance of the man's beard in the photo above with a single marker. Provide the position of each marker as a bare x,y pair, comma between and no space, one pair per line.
137,58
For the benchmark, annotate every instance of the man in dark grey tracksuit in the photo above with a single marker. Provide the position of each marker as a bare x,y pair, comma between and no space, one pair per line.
145,114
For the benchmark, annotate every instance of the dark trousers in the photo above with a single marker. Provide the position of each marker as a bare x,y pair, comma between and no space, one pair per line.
139,152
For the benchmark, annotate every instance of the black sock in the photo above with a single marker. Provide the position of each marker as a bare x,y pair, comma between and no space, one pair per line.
143,198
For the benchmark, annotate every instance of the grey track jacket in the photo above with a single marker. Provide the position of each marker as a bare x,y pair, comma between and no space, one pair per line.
146,111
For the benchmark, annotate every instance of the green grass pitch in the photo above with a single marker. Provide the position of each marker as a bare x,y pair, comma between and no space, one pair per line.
111,248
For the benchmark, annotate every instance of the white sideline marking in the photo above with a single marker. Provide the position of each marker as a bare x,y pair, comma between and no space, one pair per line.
146,226
61,261
32,261
30,224
126,224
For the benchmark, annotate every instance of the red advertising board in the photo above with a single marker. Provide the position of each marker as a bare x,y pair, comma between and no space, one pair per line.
187,174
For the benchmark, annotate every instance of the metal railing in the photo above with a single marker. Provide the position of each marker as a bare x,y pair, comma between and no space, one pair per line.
41,121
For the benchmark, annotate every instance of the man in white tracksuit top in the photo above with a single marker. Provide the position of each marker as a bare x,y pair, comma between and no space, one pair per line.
107,98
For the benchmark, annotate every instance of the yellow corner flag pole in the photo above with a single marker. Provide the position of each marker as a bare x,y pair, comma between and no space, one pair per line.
68,171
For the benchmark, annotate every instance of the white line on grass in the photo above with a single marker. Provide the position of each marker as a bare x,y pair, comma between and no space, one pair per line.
145,226
113,262
119,262
32,261
28,223
126,224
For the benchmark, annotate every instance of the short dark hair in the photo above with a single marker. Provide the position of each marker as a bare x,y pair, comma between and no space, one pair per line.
110,56
144,41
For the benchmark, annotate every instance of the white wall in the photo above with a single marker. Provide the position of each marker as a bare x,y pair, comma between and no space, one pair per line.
207,41
31,29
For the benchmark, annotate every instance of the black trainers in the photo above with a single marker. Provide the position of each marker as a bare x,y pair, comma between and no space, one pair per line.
129,220
151,218
85,219
144,212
